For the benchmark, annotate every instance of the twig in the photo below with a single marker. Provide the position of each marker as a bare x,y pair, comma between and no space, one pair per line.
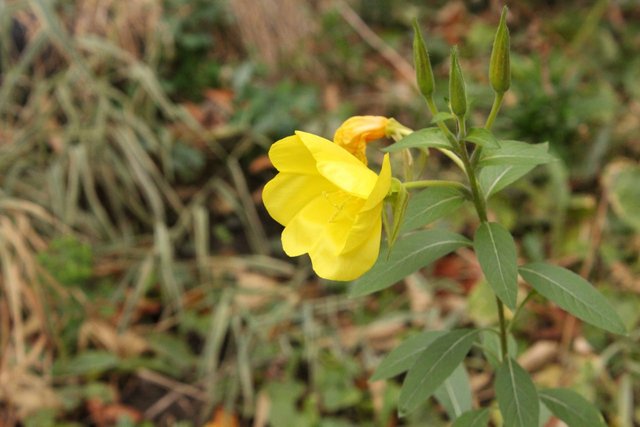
372,39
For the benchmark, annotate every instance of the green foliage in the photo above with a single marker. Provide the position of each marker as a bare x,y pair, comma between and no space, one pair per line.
455,393
496,252
403,357
433,367
517,396
430,205
574,294
410,254
482,137
422,138
68,260
193,68
477,418
571,408
515,153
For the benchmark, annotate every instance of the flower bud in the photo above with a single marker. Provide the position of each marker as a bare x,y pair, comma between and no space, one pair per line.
424,73
499,67
457,91
398,198
354,134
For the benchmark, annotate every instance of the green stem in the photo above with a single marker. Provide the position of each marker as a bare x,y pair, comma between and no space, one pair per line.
455,159
516,313
478,198
497,102
447,132
476,193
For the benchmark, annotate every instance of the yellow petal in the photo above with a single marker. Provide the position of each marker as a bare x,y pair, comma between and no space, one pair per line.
291,155
338,166
350,265
311,227
287,194
362,228
381,188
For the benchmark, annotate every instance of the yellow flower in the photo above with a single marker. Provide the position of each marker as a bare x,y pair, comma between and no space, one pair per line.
354,134
330,205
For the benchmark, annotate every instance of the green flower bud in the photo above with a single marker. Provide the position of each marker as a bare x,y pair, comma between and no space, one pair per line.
457,91
424,73
398,199
499,67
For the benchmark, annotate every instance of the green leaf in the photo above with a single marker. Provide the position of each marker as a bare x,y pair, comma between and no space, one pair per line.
433,367
496,252
423,138
574,294
429,205
455,393
621,180
571,408
90,362
516,153
482,137
476,418
517,396
442,116
495,178
402,358
410,254
491,347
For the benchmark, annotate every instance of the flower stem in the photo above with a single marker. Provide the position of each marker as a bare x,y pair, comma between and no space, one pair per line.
454,158
476,194
497,102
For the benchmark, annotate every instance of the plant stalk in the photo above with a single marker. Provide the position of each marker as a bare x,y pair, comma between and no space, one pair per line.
476,194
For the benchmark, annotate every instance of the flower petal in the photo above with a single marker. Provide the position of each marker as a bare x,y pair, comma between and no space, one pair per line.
382,185
291,155
338,166
287,194
315,225
350,265
362,228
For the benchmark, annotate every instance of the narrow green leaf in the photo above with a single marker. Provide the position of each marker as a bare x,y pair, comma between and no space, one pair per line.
429,205
496,178
441,117
422,138
482,137
433,367
409,254
517,396
402,358
90,362
574,294
571,408
476,418
516,153
496,252
454,394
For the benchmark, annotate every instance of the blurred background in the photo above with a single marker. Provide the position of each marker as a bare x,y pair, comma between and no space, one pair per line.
142,282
